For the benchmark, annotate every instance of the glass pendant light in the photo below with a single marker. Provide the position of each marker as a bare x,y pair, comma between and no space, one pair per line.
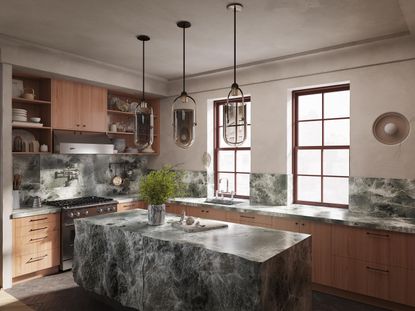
184,107
144,116
234,110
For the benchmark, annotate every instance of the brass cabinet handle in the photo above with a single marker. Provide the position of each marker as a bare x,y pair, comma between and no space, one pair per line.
38,239
380,235
377,270
34,259
38,229
38,219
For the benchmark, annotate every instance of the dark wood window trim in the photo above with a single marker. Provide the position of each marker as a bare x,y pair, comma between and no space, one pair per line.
217,128
295,122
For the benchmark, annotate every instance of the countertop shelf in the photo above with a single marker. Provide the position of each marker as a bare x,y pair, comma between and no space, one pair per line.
29,101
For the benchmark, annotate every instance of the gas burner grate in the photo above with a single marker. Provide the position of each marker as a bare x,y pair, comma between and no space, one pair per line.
78,201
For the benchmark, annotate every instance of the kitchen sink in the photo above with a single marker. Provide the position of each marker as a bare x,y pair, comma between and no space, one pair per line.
224,201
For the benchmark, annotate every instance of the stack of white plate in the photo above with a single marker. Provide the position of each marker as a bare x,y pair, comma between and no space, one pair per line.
19,115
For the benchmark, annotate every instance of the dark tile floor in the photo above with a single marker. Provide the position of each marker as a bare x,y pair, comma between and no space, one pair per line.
60,293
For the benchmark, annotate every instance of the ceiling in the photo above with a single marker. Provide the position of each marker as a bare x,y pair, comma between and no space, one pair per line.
105,30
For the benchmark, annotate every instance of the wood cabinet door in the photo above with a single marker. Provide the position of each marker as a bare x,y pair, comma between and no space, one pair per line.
350,275
213,213
175,209
286,224
193,211
321,250
64,105
92,108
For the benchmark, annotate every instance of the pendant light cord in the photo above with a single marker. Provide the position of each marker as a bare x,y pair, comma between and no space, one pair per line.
184,59
143,71
234,44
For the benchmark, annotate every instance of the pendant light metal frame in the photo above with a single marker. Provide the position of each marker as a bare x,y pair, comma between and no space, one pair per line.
184,97
235,91
143,108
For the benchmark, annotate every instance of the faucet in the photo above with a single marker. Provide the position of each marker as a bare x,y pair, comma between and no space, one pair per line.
227,187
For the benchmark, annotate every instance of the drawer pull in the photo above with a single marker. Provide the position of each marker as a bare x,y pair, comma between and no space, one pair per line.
380,235
38,219
377,270
38,239
38,229
34,259
250,217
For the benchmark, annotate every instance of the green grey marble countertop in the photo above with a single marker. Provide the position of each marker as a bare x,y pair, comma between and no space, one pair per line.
316,213
252,243
34,211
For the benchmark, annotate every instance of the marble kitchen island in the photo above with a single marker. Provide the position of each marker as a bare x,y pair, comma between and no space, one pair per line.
163,268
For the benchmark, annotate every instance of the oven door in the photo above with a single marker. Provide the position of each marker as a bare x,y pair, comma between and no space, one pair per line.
68,237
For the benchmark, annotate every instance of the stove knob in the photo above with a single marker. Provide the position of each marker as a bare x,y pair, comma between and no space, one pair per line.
86,213
77,214
108,209
114,208
100,210
70,214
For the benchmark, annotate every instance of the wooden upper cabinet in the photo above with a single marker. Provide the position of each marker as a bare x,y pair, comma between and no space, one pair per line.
79,107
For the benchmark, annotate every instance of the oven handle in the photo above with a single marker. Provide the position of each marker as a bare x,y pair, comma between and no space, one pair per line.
69,225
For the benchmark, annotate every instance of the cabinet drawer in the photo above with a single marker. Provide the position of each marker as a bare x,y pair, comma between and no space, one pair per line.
35,228
286,224
212,213
35,243
37,221
254,219
367,245
29,263
175,209
130,206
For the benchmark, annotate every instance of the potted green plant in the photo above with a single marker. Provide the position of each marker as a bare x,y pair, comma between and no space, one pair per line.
155,189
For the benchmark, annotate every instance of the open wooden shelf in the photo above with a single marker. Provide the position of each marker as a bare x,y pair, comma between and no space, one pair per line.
31,127
30,153
120,133
28,101
121,112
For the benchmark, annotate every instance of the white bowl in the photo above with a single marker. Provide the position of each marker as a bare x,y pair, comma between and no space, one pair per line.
35,119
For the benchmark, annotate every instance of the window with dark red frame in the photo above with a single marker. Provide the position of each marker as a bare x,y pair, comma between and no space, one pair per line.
321,145
232,164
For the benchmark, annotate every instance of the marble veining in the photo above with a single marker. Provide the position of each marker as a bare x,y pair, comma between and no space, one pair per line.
268,189
39,176
163,268
316,213
384,197
195,183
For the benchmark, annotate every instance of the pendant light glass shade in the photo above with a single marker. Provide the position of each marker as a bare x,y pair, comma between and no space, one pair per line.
234,110
144,116
184,108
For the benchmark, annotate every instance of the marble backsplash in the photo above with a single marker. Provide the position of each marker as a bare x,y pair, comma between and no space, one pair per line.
54,177
268,189
384,197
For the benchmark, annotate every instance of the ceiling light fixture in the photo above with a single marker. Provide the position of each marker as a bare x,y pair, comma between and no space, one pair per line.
144,116
184,107
234,110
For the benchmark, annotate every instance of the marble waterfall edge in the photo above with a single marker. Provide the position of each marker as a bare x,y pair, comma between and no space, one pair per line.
162,268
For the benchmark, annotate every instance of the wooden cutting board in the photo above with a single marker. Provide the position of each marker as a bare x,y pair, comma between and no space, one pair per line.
205,225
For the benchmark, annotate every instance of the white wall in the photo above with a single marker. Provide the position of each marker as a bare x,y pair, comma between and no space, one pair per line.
382,78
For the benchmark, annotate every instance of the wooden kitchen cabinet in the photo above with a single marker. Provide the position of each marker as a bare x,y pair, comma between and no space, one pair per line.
79,107
206,212
122,207
36,244
321,248
175,208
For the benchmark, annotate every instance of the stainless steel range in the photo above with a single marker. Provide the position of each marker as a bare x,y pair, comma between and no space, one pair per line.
73,209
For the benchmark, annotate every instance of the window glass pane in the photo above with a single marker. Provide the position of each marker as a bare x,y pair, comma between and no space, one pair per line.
337,132
309,133
337,104
309,162
220,116
242,181
336,190
226,182
243,161
226,161
309,107
309,188
336,162
248,113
